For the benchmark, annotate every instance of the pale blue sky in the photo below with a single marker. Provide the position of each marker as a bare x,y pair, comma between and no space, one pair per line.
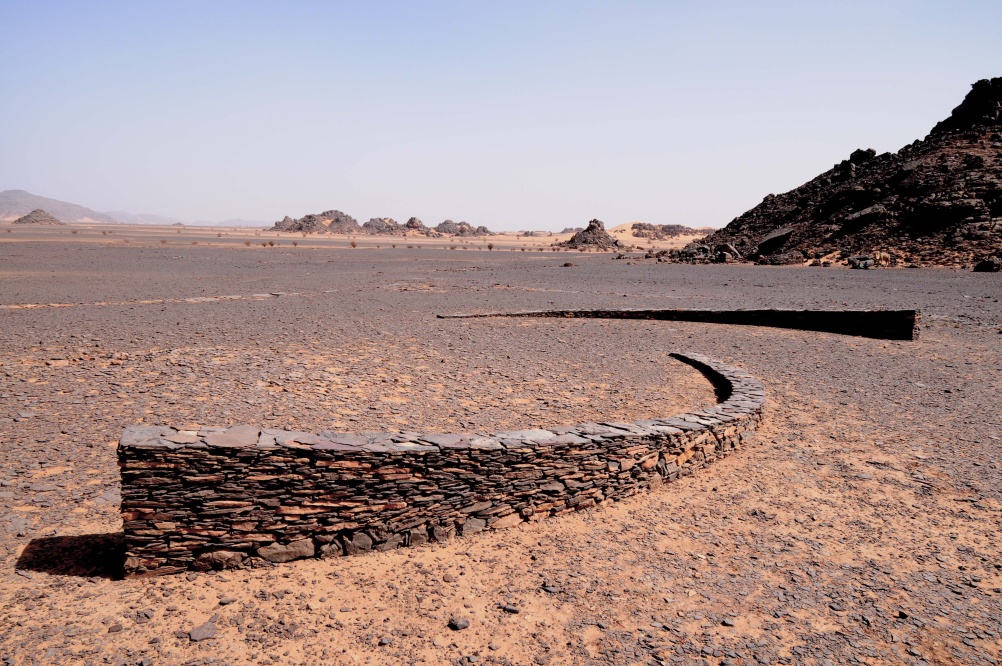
516,115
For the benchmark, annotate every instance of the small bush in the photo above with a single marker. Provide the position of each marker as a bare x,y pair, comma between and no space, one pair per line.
74,232
219,235
163,241
354,243
490,246
295,243
394,245
271,243
247,243
194,242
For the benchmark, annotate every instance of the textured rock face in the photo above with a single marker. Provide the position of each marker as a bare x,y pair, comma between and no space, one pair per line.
221,497
37,216
593,236
935,202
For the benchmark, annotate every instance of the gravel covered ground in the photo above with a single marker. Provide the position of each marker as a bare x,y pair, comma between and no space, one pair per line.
861,526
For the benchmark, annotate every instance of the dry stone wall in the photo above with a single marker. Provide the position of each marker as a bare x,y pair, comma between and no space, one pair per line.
225,497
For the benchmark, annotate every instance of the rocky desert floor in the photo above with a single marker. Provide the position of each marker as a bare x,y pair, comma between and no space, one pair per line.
861,526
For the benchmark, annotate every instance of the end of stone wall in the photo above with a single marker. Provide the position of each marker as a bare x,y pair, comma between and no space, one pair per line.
220,498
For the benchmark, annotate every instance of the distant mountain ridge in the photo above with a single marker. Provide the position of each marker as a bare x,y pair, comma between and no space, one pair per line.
17,203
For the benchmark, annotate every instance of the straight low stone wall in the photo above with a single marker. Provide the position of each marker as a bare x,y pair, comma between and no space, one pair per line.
225,497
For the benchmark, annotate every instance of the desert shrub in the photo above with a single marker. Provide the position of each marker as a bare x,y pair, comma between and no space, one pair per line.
295,243
74,232
247,243
354,243
490,246
271,243
163,241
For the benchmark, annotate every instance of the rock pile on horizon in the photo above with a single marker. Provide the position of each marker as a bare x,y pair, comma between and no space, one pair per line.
661,231
593,236
464,229
38,216
336,222
936,202
327,222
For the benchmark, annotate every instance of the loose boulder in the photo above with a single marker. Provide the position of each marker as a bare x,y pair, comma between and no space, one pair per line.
276,552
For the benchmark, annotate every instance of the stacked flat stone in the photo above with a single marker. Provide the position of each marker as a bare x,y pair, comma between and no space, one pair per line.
225,497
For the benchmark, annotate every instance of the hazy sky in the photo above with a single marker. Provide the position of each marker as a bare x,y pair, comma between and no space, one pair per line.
516,115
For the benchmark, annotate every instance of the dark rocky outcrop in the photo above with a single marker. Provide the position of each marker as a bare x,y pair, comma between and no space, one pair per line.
450,228
38,216
382,226
936,202
594,236
328,222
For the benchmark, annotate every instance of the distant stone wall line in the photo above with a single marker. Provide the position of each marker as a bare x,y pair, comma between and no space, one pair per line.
879,324
227,497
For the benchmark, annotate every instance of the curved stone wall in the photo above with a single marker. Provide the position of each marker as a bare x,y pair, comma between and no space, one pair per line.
221,497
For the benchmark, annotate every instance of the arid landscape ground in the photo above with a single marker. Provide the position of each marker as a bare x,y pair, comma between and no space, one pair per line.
861,526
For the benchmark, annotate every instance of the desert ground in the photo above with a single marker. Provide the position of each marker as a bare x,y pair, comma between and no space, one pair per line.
861,526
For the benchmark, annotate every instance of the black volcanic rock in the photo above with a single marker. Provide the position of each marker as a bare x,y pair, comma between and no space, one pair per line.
981,108
593,236
38,216
328,222
937,201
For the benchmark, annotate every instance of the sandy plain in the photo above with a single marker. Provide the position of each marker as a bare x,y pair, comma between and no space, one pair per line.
862,525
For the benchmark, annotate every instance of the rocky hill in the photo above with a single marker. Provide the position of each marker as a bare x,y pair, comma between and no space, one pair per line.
17,203
593,236
38,216
936,202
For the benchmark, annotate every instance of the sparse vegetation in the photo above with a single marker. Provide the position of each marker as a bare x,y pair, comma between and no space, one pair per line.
490,246
163,241
354,243
295,243
271,243
74,232
247,243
